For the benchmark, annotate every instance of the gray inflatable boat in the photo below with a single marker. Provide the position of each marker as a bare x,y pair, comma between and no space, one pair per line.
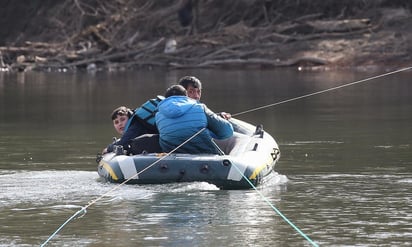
247,158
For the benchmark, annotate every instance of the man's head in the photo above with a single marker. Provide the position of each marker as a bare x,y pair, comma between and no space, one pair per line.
193,87
120,116
175,90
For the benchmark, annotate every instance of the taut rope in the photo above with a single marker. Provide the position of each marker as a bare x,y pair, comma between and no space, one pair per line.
322,91
83,210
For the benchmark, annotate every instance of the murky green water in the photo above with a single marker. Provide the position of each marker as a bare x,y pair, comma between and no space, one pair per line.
344,177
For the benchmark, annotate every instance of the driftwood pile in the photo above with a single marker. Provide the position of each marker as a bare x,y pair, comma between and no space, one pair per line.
121,34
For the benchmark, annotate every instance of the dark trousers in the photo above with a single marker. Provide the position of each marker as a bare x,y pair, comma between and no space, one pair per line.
147,143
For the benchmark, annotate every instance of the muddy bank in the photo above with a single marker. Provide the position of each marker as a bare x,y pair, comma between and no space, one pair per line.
117,35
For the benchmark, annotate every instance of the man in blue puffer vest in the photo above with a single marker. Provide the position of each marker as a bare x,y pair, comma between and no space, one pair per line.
180,117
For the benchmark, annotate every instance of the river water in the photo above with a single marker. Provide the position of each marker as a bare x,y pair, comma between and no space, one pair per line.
344,177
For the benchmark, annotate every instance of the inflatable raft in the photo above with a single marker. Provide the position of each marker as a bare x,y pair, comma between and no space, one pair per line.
247,157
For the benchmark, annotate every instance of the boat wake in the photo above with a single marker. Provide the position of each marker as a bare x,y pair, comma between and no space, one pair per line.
275,180
77,187
65,187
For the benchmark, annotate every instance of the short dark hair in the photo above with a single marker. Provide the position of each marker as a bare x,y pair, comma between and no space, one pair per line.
121,111
175,90
190,81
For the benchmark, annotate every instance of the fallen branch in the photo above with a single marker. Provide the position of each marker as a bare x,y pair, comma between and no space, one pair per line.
114,56
254,61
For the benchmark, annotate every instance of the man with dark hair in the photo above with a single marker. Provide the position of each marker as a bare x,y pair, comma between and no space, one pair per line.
138,128
179,118
193,87
175,90
120,117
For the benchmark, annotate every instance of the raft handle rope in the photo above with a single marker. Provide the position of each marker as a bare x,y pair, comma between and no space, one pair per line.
84,211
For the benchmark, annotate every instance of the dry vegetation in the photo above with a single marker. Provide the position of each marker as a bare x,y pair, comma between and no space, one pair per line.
124,34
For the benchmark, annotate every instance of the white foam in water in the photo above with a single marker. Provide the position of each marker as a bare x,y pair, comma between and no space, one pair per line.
195,186
406,181
280,179
275,179
77,187
68,186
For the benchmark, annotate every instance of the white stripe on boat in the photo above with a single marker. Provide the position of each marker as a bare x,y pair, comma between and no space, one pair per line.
126,164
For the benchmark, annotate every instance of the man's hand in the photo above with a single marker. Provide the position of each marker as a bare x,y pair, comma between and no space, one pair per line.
225,115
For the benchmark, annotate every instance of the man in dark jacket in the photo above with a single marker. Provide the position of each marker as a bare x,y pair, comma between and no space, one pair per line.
138,129
193,88
179,118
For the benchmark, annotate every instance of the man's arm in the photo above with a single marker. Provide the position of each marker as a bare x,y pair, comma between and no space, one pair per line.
219,126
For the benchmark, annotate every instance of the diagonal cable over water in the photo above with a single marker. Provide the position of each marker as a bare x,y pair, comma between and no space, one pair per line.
83,210
322,91
294,99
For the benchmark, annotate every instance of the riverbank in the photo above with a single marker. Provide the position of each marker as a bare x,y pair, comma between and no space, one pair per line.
199,34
